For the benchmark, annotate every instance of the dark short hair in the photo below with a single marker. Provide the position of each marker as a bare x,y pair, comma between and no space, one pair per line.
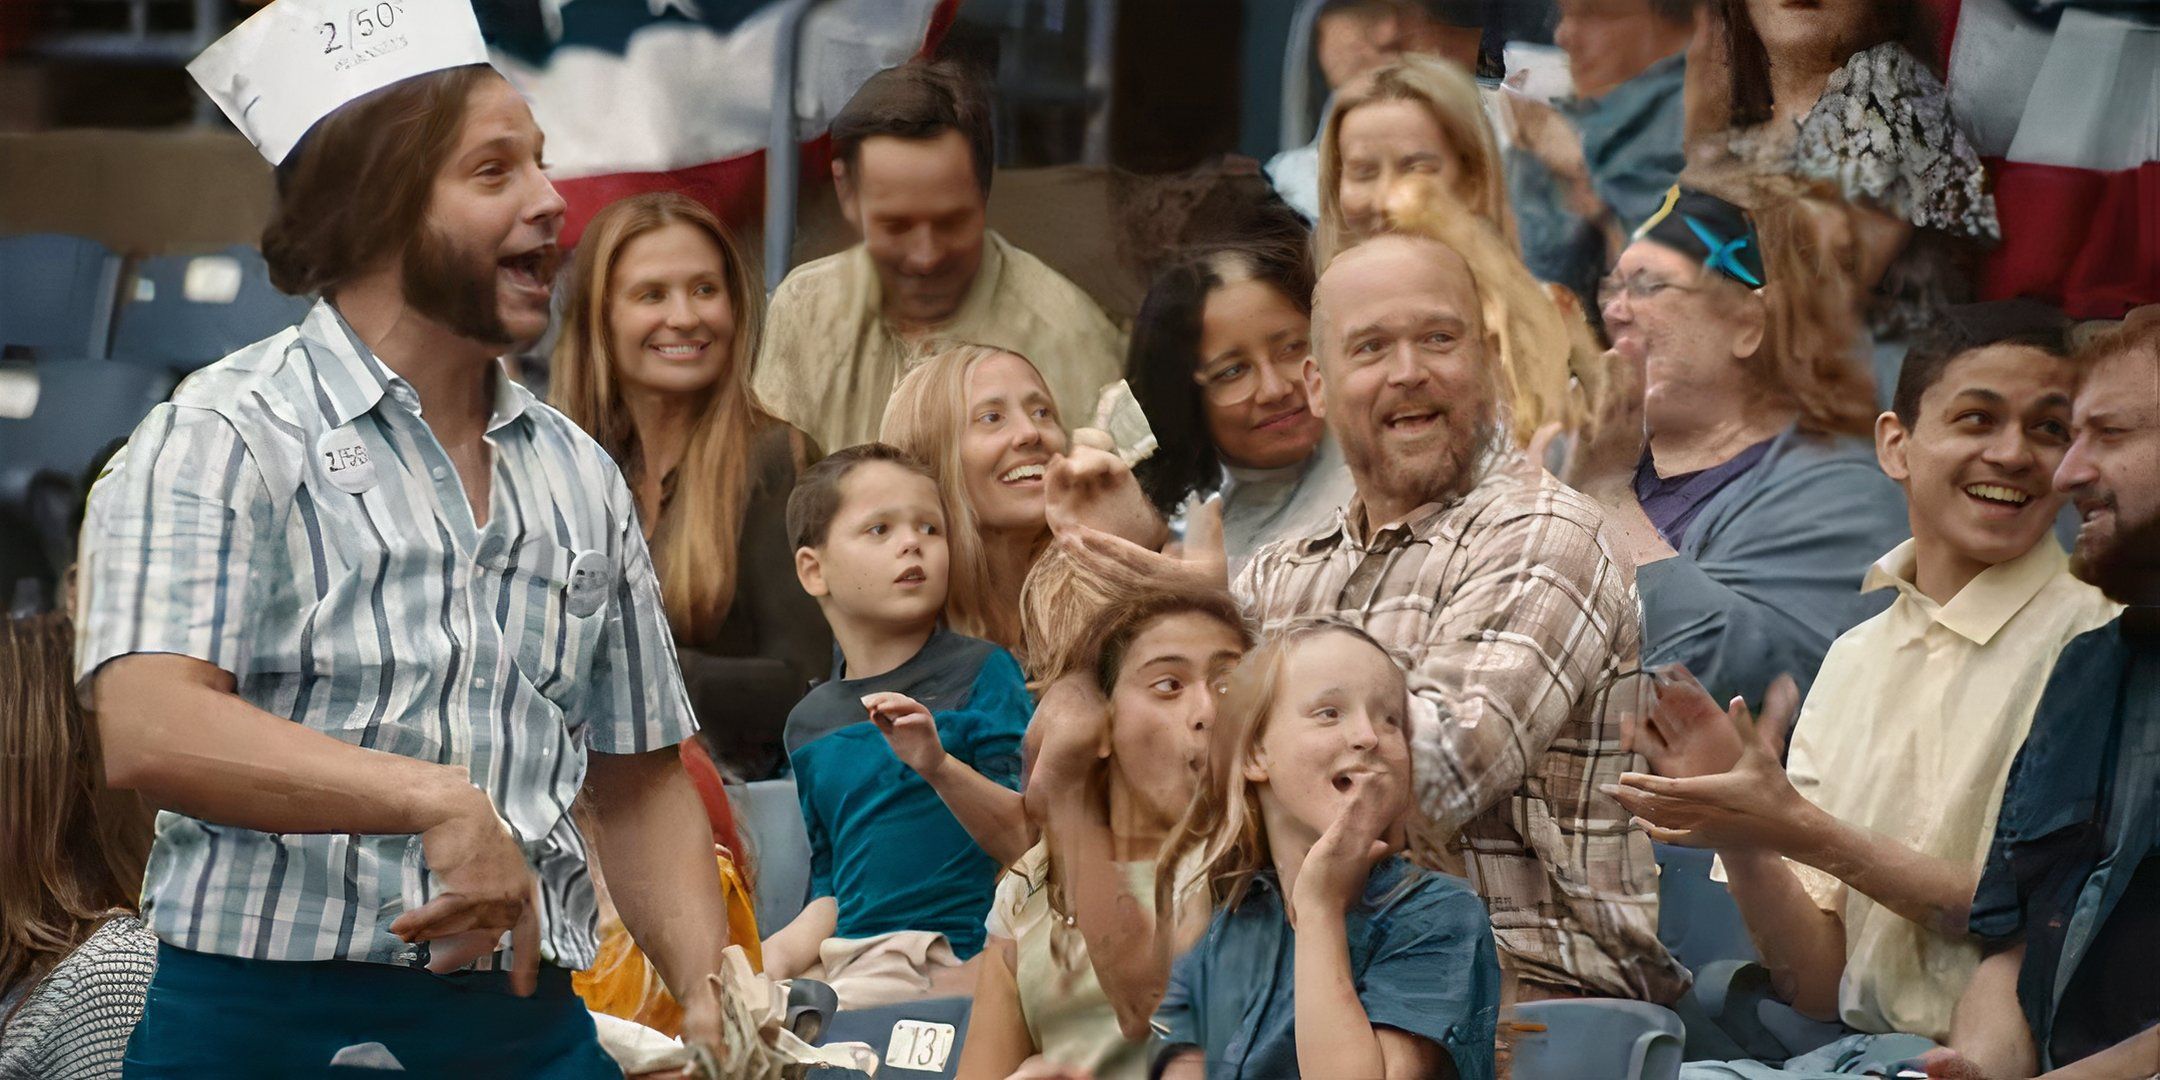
1121,627
1966,328
918,100
1165,352
355,189
815,502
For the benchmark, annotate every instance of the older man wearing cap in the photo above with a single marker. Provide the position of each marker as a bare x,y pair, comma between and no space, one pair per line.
1493,582
365,619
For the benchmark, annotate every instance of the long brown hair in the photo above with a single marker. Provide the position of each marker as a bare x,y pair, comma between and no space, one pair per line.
694,544
925,416
1814,301
1747,97
355,190
73,849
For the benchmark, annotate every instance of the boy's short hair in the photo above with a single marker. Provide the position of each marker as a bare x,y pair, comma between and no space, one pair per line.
1965,328
815,501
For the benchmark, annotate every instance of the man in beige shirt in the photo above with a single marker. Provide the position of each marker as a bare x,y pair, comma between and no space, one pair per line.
912,161
1855,865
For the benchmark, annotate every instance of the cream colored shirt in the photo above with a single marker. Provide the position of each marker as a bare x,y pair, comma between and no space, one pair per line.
829,361
1910,731
1068,1016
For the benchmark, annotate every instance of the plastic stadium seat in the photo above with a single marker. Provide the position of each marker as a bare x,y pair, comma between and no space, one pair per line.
81,406
1595,1039
769,811
1698,919
876,1028
189,310
56,294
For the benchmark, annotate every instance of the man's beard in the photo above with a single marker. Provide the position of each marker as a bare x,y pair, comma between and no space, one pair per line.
2127,570
455,287
1444,474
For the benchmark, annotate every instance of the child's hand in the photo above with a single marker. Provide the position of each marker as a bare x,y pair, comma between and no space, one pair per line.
1071,726
910,729
1335,870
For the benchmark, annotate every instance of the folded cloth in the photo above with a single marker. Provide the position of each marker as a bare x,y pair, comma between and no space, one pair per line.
886,969
756,1042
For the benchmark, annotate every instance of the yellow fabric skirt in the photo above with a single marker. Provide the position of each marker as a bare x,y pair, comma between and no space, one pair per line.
622,982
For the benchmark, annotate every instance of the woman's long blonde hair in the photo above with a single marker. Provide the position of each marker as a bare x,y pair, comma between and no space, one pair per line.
1451,95
73,849
1222,828
694,544
925,417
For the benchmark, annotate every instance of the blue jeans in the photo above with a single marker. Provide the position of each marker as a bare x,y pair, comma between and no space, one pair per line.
222,1016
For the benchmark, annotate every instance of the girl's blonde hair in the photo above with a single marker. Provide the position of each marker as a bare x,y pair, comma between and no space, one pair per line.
1222,828
1545,367
1451,96
695,543
74,849
925,416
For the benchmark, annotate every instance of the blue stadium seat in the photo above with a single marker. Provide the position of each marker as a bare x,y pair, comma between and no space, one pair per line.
875,1027
769,812
56,294
81,406
1595,1039
1697,918
189,310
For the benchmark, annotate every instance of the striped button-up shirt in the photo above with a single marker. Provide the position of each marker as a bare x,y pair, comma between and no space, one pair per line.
1520,628
289,518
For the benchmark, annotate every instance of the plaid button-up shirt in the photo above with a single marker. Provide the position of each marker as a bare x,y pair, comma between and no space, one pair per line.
241,527
1519,627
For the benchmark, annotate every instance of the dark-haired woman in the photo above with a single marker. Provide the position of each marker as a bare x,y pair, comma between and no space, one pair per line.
1848,91
1217,362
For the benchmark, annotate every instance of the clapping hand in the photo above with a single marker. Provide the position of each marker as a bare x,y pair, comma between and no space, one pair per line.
1750,803
910,729
1683,732
1339,863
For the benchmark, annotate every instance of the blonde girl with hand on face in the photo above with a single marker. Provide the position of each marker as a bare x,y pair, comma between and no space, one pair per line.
1330,954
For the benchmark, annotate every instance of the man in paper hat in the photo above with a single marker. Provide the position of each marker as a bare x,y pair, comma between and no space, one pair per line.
365,618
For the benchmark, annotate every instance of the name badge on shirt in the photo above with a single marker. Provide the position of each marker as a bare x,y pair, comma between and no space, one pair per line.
344,461
590,579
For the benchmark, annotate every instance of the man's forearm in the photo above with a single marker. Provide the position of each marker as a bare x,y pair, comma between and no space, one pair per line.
172,730
990,812
1934,893
1801,944
2134,1058
1989,1027
656,855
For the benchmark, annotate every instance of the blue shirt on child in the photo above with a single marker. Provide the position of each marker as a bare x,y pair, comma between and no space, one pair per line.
881,841
1421,954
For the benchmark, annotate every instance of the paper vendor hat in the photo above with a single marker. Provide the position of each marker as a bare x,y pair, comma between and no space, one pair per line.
296,61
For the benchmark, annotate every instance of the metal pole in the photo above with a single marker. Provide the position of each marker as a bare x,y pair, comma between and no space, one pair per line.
1297,106
1101,78
783,155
